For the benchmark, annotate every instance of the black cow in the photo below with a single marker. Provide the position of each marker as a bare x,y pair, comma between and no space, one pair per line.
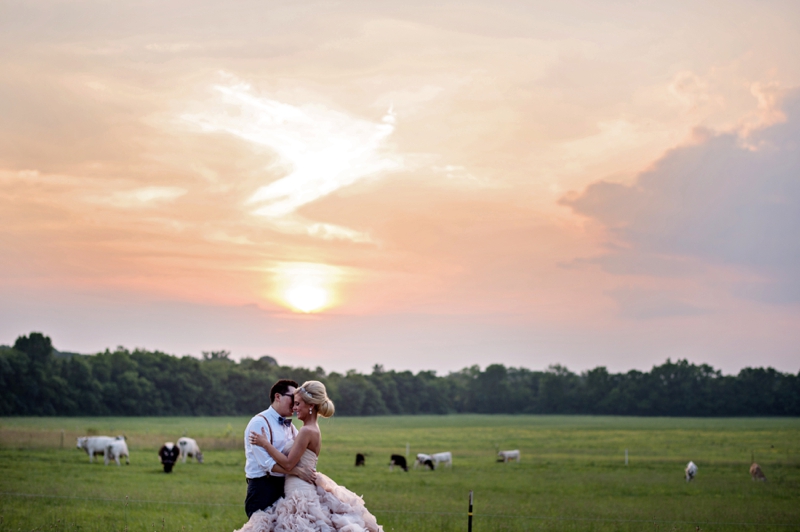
359,459
399,461
169,454
429,464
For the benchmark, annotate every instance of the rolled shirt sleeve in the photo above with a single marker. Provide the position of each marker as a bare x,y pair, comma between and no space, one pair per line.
257,458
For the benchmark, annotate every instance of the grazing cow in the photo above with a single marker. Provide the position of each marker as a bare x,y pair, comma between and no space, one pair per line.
399,461
505,456
445,458
756,473
116,449
422,458
189,447
96,445
359,459
691,471
169,454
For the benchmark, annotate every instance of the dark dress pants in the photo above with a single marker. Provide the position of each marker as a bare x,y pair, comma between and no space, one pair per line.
262,493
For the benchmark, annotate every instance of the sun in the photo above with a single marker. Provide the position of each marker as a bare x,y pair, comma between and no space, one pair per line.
305,286
306,298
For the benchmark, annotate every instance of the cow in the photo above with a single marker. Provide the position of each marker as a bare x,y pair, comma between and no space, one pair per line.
691,471
169,454
756,473
445,458
505,456
96,445
188,448
399,461
422,460
115,450
359,459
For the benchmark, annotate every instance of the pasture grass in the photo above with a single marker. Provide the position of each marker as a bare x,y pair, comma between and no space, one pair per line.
572,474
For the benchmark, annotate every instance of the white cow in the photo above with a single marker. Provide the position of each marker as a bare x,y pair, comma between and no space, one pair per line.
115,450
189,447
96,445
445,458
505,456
691,471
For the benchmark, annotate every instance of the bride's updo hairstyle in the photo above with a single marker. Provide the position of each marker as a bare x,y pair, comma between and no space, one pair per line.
313,393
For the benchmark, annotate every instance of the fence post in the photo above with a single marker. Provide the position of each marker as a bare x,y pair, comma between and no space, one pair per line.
62,438
469,515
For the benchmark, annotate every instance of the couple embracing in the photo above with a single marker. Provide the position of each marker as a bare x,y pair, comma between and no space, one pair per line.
284,491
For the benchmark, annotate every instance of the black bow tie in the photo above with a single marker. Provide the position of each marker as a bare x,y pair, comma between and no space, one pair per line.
283,421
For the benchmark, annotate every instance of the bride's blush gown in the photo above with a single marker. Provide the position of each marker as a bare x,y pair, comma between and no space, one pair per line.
324,507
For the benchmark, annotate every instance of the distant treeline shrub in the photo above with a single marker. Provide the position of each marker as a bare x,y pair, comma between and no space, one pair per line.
36,380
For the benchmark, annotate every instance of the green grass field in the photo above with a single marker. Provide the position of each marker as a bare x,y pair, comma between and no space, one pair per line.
572,474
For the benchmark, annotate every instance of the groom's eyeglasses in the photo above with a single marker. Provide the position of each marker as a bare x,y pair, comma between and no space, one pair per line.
289,395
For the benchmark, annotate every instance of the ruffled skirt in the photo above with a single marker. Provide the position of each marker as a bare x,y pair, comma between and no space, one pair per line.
326,507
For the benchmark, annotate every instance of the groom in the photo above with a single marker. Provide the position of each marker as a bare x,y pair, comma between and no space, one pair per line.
264,477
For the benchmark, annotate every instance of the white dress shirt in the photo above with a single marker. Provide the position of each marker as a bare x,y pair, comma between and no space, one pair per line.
258,462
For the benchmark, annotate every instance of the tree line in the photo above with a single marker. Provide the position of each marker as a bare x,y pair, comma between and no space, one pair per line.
37,380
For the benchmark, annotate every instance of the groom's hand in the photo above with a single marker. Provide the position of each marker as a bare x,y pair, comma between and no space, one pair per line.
305,473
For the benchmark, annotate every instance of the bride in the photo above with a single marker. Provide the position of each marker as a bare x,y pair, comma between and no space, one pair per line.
324,507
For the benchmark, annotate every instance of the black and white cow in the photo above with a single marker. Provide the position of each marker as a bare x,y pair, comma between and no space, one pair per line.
169,454
424,460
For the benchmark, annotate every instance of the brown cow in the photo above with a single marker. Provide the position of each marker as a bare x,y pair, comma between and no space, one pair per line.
756,473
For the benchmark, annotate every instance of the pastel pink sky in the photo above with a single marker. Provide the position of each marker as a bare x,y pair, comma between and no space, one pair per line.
443,183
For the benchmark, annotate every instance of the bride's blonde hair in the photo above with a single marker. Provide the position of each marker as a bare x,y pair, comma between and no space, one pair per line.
313,393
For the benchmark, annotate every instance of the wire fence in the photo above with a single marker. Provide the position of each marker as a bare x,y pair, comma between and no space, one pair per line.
476,515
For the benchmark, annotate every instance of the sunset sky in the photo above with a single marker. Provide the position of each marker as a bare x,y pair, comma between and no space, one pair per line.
423,185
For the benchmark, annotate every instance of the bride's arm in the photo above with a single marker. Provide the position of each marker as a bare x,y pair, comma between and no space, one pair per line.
301,471
287,463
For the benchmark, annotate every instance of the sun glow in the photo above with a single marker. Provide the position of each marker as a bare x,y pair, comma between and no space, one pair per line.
306,298
306,287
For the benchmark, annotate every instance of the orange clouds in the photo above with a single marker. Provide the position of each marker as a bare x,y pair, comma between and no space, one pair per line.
403,167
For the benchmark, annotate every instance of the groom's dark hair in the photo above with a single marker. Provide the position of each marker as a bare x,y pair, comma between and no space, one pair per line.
281,387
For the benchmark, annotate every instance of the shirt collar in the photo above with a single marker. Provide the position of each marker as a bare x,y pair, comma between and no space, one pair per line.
273,414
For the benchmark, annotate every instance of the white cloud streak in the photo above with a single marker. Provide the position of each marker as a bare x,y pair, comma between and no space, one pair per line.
140,197
324,151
